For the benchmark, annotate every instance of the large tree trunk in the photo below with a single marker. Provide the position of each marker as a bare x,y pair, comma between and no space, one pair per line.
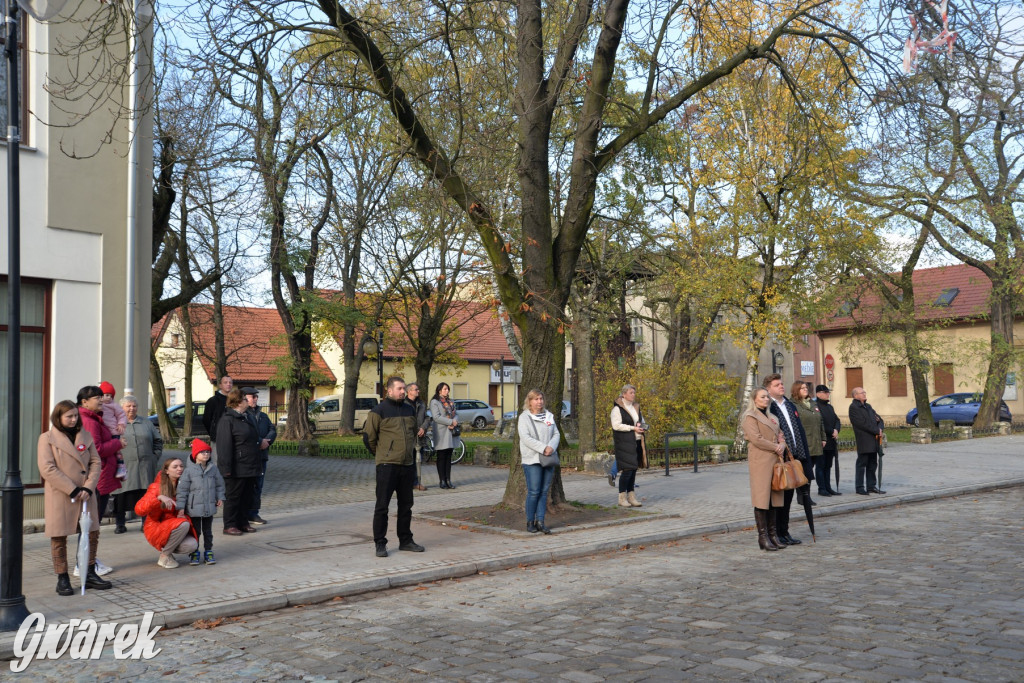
585,408
156,379
749,384
918,365
186,328
1004,305
352,357
220,361
543,364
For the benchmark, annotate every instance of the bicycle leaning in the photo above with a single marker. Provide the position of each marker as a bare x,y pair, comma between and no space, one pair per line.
428,450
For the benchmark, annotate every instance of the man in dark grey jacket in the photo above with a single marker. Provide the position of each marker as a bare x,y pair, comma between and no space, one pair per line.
268,434
867,429
412,396
390,434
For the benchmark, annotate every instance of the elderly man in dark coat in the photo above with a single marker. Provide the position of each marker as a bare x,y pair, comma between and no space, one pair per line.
830,421
867,429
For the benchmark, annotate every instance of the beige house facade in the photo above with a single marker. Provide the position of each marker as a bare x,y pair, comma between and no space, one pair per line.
952,314
75,236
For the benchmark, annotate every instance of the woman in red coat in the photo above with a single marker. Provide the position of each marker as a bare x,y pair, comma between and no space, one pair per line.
167,528
90,411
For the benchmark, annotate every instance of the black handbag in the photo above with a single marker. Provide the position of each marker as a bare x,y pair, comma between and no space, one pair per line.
457,430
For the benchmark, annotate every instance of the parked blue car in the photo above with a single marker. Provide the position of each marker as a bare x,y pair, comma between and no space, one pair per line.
962,408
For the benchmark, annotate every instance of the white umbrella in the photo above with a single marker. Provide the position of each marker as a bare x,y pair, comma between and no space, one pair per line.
84,526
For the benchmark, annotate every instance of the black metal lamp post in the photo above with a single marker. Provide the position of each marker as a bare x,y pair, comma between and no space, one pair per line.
12,603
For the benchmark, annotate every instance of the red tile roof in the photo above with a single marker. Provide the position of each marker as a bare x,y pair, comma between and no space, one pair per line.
970,303
253,339
473,333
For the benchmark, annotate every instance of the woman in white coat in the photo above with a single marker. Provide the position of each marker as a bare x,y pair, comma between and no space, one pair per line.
538,436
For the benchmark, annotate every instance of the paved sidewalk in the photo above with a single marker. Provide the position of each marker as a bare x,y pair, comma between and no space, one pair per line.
314,549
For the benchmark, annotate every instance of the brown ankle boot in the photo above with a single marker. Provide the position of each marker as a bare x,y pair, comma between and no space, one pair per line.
623,502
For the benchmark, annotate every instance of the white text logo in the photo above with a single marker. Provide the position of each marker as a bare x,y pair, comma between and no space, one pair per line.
82,639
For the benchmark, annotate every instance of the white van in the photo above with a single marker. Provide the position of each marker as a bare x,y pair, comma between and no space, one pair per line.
325,412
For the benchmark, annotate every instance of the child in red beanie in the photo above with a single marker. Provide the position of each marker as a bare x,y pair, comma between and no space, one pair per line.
113,414
115,420
200,493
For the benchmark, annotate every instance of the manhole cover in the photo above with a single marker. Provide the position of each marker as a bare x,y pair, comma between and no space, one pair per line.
304,543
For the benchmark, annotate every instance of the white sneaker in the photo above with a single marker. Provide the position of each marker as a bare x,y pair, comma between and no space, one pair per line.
167,562
75,573
101,569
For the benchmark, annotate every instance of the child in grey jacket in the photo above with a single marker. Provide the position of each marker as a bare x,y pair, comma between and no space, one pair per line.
200,493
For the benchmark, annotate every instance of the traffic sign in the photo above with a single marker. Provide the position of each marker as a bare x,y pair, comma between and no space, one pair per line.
830,362
830,377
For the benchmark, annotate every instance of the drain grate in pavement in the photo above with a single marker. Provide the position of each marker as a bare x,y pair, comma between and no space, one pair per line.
317,542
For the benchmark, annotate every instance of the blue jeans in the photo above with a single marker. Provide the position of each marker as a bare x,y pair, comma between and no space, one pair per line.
614,471
538,483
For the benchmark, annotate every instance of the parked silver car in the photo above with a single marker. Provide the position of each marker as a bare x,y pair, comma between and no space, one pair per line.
469,411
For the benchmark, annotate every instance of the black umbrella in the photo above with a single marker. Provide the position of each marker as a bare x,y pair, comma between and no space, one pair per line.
806,499
880,454
837,467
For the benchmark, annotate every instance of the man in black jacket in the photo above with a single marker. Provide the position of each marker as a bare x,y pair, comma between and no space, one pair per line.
267,433
390,434
867,429
215,406
789,421
830,421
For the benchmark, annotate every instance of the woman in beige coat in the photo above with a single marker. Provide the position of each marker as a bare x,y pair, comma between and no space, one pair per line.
764,444
70,467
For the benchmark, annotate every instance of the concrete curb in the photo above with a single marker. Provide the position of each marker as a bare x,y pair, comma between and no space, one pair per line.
305,596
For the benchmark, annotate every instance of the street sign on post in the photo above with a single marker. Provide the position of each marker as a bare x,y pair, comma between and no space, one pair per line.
830,362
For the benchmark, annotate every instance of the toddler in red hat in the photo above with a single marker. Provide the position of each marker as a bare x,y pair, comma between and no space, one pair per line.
115,420
113,414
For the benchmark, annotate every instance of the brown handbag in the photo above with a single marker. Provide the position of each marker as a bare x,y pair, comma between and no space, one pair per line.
787,474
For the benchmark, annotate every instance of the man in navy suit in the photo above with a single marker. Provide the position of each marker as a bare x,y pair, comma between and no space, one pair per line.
789,420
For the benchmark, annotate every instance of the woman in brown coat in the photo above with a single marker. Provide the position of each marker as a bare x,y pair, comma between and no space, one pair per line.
764,445
70,467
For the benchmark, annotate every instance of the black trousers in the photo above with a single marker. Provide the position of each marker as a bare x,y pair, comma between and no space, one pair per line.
393,479
203,526
125,503
782,513
444,464
238,501
823,469
867,463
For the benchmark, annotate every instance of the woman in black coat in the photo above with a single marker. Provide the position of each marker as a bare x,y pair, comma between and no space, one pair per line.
240,463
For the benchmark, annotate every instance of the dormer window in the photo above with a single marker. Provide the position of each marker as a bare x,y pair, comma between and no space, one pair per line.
947,296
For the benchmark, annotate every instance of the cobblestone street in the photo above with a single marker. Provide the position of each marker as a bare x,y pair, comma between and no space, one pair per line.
931,592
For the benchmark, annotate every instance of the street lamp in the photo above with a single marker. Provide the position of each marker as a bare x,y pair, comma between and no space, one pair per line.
372,347
12,602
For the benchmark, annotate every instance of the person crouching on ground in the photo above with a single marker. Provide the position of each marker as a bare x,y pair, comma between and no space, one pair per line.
168,528
200,493
390,434
70,468
538,436
764,444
